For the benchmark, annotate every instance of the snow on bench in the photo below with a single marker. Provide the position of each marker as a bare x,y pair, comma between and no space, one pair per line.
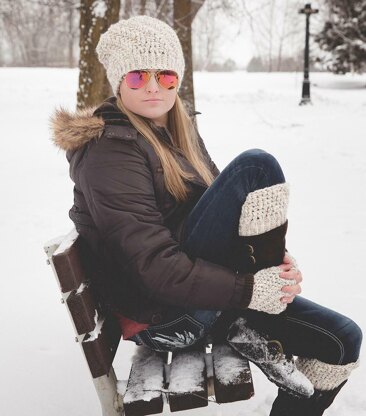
144,393
153,381
188,381
232,376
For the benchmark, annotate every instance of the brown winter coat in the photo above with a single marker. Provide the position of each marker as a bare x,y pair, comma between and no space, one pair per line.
133,224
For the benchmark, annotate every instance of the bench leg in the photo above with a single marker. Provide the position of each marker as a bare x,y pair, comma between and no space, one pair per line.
110,400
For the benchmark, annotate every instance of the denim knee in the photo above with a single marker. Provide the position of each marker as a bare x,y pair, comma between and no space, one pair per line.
351,338
257,156
255,152
267,163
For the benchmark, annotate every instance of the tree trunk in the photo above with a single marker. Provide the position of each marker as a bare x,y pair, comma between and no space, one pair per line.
93,83
128,9
163,10
271,26
184,12
70,48
143,7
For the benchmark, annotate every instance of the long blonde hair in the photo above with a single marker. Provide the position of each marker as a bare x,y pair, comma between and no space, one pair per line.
184,137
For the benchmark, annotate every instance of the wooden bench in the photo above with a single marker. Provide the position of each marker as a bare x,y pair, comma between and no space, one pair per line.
183,380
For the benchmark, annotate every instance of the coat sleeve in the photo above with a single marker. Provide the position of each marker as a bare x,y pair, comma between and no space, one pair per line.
117,183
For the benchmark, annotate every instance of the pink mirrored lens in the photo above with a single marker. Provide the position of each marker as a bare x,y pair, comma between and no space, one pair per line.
167,79
137,79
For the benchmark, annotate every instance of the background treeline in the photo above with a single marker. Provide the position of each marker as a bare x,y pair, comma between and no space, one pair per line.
46,32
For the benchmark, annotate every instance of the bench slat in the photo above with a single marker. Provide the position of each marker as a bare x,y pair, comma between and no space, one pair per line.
76,271
100,346
83,308
71,271
232,375
145,384
188,381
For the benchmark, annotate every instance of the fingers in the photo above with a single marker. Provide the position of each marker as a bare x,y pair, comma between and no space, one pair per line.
292,275
291,290
285,266
287,259
287,299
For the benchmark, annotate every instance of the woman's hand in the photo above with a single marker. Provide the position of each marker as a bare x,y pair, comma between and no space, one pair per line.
290,271
275,287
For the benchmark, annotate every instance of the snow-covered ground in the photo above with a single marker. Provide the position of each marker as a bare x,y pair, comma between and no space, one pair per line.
321,148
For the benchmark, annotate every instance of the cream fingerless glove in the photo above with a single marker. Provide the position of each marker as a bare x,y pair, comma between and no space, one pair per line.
267,291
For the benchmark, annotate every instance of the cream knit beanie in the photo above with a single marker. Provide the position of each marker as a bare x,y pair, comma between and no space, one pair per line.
140,42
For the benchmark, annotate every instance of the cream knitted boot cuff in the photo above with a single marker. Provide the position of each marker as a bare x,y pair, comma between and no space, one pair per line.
267,291
322,375
264,210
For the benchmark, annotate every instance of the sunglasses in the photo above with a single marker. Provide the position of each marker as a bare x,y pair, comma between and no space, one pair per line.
139,78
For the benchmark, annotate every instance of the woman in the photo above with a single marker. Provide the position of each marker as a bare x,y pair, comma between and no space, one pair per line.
191,252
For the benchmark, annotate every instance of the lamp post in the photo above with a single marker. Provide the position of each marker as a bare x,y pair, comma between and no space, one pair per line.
305,98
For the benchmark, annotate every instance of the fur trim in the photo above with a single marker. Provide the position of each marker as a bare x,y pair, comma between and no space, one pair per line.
73,130
325,376
264,210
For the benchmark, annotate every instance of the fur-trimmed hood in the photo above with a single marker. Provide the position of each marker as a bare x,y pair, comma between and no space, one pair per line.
71,130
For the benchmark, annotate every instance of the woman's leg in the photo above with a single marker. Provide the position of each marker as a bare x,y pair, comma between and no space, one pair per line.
311,330
212,229
305,329
327,344
212,232
241,222
335,338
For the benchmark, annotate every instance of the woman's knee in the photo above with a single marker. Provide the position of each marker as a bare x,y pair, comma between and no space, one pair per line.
263,161
351,338
256,155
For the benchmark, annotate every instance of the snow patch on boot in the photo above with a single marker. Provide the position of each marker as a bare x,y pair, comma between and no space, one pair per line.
278,368
288,378
325,376
264,210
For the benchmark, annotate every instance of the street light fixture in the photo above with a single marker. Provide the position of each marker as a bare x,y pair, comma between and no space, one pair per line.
305,98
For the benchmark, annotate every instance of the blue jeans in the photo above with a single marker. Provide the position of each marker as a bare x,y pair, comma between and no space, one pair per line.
211,232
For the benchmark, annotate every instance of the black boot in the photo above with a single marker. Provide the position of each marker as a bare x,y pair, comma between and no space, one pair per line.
265,250
288,405
269,356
